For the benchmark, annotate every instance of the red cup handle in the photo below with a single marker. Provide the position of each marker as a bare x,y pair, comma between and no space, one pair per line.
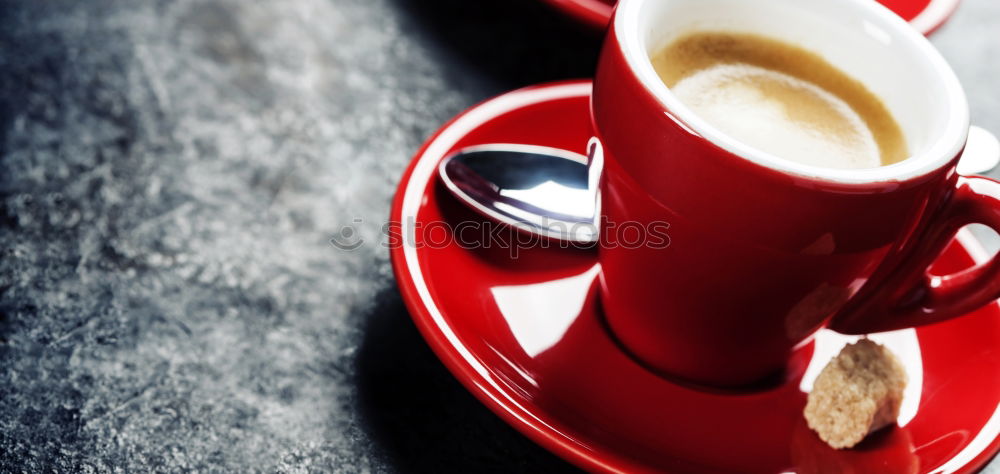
912,297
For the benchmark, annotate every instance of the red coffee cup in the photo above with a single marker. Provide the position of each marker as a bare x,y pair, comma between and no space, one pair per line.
763,251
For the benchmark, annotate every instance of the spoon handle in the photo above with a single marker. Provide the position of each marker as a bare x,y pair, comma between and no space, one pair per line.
595,167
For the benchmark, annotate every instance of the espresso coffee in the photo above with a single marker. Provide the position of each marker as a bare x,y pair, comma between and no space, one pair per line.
781,99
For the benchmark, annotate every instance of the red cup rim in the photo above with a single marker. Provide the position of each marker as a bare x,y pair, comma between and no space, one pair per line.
597,13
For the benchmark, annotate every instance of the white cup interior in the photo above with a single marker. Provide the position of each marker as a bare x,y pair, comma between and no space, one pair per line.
860,37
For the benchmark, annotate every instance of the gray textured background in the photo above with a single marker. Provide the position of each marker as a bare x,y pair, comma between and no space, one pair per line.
171,174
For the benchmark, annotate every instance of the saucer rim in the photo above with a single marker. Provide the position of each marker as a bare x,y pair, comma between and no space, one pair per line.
596,14
462,363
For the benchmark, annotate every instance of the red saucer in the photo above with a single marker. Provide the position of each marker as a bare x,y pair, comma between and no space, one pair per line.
525,336
925,15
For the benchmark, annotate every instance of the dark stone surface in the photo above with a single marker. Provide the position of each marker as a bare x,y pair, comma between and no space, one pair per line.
171,173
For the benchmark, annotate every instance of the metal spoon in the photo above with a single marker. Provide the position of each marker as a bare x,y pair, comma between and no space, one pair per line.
982,152
541,190
553,192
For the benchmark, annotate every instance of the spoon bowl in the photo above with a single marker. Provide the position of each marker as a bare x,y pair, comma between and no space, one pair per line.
536,189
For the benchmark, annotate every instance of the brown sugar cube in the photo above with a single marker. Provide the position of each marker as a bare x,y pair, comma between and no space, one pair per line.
857,393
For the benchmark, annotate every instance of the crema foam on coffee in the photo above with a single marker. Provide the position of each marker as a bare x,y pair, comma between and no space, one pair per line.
781,99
